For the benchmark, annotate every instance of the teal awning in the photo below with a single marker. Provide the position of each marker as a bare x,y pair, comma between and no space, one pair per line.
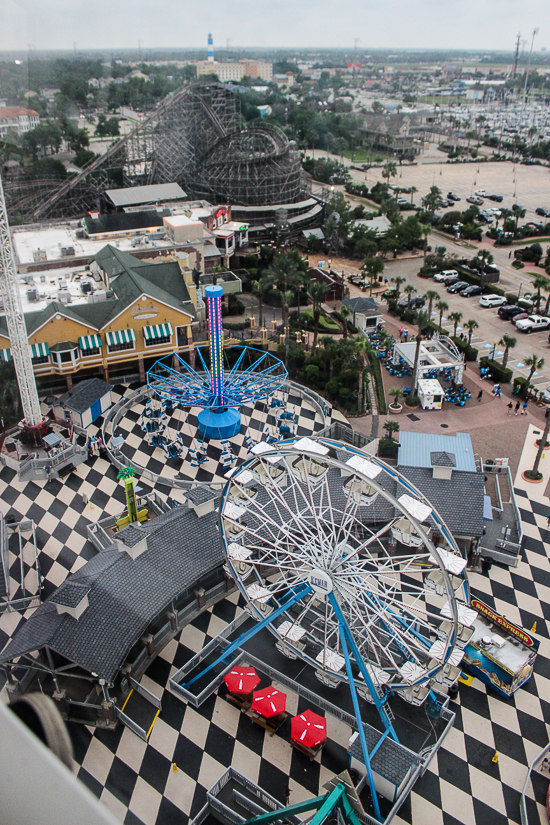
123,336
5,354
87,342
39,350
158,331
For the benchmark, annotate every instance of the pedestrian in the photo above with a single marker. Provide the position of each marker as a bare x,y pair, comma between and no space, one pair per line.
287,797
524,408
510,407
480,395
400,333
516,408
510,254
548,521
406,335
499,391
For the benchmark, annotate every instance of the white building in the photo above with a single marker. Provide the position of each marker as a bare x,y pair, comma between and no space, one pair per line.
235,71
16,119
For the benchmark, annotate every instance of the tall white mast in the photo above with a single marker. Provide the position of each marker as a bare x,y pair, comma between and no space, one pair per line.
17,331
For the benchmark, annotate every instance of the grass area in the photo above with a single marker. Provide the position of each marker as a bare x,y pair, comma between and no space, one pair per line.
363,156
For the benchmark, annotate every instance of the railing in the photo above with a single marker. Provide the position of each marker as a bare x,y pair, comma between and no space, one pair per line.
522,804
150,697
83,711
134,727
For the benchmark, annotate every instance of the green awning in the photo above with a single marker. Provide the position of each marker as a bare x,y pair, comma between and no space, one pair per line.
39,350
87,342
158,331
5,354
123,336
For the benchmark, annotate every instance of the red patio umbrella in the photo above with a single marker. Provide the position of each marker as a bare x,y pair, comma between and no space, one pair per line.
309,729
269,702
241,680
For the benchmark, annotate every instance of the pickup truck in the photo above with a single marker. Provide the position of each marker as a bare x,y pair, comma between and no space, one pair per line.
533,323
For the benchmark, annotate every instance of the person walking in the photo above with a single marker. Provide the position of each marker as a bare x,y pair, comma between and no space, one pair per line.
480,395
524,408
510,407
548,521
498,391
516,408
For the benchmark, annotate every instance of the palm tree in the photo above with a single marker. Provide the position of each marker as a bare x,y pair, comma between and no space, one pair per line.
409,292
425,234
397,394
414,190
361,346
286,297
282,274
391,427
422,321
389,170
456,318
540,282
508,342
316,292
534,363
471,325
345,312
258,291
373,267
431,295
441,306
398,280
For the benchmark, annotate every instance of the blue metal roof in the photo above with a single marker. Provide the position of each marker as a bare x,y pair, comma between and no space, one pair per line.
416,449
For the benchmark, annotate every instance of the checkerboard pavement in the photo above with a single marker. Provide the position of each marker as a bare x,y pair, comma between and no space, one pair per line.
137,781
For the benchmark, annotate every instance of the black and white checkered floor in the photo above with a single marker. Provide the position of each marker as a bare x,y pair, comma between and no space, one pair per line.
137,780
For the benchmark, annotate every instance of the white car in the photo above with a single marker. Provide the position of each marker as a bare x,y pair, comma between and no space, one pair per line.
533,323
441,277
492,300
481,193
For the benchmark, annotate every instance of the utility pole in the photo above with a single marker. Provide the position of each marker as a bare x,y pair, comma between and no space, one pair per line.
355,42
34,423
535,32
516,55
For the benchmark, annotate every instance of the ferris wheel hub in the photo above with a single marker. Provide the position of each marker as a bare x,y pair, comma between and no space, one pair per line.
320,581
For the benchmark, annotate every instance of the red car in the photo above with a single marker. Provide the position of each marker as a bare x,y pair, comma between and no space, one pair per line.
519,317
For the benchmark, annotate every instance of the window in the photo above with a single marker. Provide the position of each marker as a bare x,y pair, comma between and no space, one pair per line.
154,342
92,351
122,346
41,359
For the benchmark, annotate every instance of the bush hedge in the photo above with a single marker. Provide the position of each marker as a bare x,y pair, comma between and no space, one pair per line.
511,298
388,448
236,326
469,352
501,374
377,375
351,327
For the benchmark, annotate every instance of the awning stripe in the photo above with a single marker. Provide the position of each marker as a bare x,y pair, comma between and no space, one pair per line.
122,336
157,331
87,342
5,355
39,350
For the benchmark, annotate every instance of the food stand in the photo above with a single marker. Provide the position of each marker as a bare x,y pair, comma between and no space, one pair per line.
431,394
499,653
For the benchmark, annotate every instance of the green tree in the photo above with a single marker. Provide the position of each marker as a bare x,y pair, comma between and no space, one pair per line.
432,199
258,290
540,282
398,280
409,291
426,230
456,318
373,267
317,292
508,342
431,296
441,306
345,312
391,427
389,170
422,322
534,363
414,190
397,394
361,347
471,325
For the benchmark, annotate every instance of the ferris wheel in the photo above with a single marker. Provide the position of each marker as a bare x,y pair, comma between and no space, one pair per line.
335,551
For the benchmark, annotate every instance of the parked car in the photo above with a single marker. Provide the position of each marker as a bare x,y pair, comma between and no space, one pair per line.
471,290
507,311
533,323
540,210
402,202
519,316
475,200
415,303
443,203
496,198
452,197
442,277
545,394
457,286
481,193
517,207
492,300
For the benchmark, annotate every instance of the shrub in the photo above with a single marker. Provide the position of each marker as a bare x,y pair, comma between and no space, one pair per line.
351,327
518,264
520,382
238,325
344,395
494,290
388,448
501,374
471,353
312,373
511,297
332,387
413,401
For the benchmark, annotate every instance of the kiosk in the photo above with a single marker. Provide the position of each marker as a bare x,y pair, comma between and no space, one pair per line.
431,394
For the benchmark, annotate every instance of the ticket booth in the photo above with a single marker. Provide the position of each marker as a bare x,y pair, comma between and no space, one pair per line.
431,394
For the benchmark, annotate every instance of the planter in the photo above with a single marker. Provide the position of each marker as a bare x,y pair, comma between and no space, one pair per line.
411,407
395,410
537,443
532,480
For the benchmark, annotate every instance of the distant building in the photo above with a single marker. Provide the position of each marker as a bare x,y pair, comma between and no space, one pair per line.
393,133
380,225
18,120
236,71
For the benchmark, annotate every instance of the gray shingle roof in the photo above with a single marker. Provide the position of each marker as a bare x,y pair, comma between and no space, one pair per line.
84,394
125,594
70,593
458,500
362,304
442,459
200,495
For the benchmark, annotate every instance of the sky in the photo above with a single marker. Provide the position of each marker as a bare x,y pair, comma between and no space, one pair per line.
419,24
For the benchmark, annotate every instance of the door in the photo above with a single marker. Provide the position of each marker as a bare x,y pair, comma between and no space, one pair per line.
96,409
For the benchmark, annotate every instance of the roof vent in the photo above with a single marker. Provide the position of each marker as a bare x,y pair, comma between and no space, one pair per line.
71,598
135,550
201,500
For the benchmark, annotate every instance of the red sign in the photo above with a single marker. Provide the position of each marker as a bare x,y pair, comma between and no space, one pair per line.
485,610
354,65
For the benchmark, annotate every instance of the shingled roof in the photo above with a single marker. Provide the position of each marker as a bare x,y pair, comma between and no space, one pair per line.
442,459
124,594
458,500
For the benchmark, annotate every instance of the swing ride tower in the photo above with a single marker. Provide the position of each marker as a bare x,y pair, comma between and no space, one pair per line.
219,389
34,424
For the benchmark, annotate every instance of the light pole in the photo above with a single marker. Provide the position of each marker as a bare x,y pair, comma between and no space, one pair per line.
535,32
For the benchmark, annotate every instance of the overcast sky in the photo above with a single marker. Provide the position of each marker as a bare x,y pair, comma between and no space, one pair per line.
450,24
